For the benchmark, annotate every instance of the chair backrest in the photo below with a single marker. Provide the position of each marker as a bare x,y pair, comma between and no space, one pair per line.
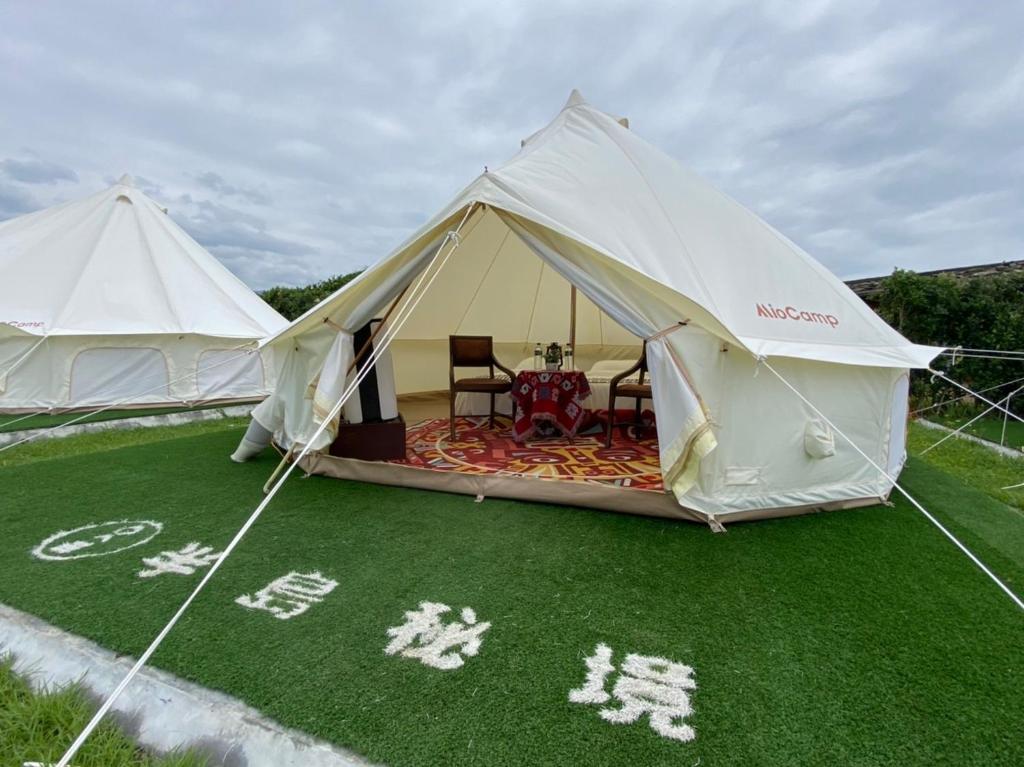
471,351
643,362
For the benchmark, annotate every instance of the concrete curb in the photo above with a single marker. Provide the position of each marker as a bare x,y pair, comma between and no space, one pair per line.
159,710
1007,451
145,421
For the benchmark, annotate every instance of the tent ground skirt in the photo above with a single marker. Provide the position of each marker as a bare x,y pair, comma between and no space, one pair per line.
487,462
581,471
568,493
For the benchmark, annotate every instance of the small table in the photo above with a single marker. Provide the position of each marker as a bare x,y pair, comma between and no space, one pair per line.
551,396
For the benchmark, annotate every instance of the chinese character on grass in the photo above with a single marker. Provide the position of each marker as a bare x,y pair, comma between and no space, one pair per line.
436,644
645,685
289,595
185,561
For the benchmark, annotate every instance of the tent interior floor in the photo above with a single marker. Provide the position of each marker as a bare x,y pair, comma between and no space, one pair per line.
422,406
578,471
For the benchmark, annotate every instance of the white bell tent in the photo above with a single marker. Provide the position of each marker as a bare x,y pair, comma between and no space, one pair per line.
656,253
106,301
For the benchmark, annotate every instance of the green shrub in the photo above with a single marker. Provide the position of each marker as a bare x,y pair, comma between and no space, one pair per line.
294,302
985,312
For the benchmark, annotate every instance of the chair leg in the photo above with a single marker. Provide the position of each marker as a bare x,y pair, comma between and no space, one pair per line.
639,423
451,417
492,411
611,419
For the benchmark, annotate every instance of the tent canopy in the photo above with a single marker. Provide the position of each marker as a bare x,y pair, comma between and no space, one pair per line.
635,231
115,263
659,255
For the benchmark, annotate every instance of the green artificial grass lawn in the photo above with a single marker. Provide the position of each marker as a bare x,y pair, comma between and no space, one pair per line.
32,721
19,422
989,427
81,444
973,464
857,638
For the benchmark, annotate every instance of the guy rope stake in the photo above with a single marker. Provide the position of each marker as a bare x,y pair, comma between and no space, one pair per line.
970,555
335,410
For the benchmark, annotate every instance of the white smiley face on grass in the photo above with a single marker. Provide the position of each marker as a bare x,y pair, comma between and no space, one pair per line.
97,540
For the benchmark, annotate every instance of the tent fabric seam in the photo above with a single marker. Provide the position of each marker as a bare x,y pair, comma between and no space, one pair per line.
668,219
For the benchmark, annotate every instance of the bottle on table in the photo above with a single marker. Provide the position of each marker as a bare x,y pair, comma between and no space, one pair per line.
538,357
569,358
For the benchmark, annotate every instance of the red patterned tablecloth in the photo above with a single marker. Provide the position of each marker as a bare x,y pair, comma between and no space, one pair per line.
551,396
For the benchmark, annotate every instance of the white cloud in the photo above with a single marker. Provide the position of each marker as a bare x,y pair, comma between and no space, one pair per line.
300,148
302,142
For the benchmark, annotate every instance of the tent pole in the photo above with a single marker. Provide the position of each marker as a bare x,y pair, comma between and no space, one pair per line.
572,322
369,341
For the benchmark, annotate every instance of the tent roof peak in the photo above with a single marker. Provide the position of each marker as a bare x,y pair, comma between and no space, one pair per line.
576,100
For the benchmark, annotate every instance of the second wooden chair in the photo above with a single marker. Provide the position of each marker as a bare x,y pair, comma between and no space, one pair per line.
638,391
475,352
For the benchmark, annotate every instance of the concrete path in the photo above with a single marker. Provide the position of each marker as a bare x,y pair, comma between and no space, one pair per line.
1007,451
159,710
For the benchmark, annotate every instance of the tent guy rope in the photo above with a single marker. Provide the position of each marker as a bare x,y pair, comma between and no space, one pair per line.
995,405
928,515
286,456
978,417
959,349
65,760
14,365
957,399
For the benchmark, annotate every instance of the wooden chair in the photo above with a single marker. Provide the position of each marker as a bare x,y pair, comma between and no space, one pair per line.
475,352
638,391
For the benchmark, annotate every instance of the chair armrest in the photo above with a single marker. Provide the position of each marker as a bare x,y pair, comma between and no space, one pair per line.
503,369
614,382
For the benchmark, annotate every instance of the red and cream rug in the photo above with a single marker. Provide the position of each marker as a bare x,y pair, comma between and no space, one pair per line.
629,462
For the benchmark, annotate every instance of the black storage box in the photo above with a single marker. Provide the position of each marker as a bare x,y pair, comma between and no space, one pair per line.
373,441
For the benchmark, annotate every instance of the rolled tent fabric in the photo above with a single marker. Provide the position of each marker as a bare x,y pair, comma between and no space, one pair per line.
288,411
327,390
375,399
684,427
255,440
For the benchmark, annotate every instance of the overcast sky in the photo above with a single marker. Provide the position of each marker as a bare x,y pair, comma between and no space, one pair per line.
300,140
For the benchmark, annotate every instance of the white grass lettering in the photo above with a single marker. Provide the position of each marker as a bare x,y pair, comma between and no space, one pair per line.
97,540
289,595
185,561
646,684
439,645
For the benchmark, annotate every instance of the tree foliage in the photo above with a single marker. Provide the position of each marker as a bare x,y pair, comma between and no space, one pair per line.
294,302
984,312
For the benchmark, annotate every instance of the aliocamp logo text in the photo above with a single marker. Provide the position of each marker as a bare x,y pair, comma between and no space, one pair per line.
792,313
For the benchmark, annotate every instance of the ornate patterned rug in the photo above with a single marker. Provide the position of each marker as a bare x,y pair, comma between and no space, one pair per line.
629,462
